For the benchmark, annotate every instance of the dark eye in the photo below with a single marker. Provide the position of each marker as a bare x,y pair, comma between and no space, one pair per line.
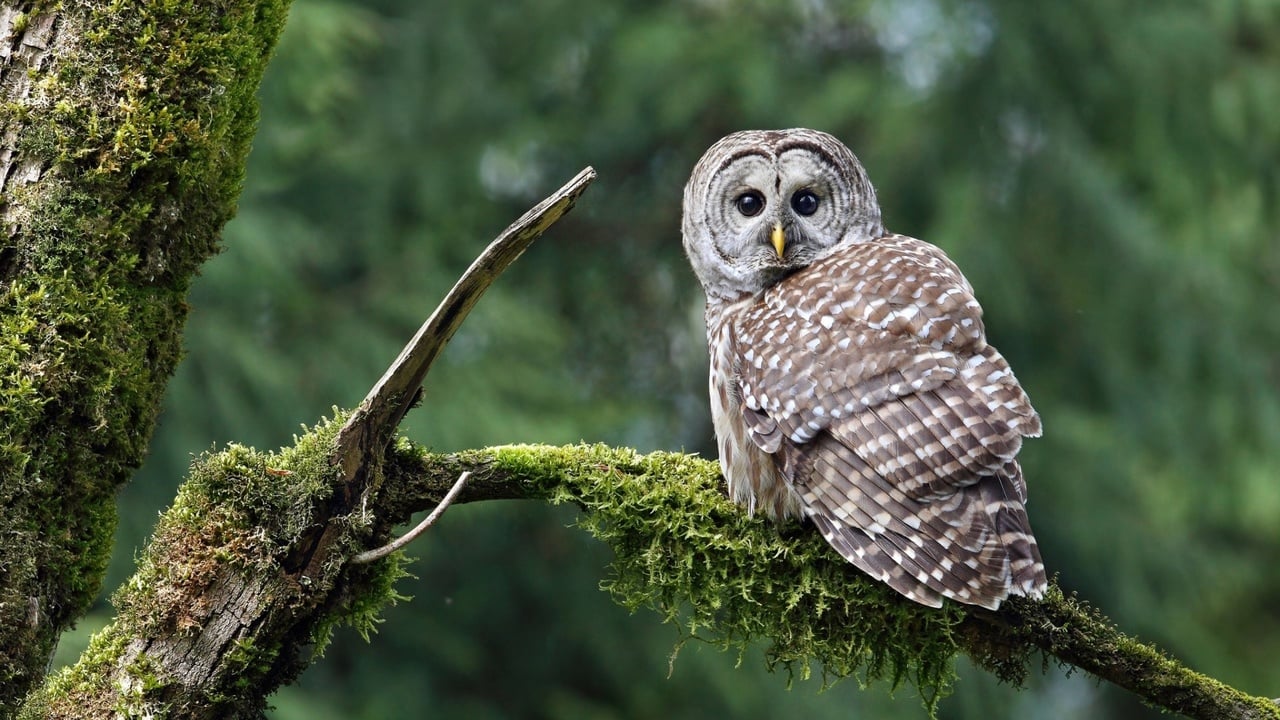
750,203
804,202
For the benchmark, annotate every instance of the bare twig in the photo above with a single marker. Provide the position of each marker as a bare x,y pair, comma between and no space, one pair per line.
369,556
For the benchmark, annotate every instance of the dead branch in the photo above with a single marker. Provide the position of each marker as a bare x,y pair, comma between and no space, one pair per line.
374,422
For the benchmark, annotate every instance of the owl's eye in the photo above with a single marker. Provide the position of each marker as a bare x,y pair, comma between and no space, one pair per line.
750,203
804,202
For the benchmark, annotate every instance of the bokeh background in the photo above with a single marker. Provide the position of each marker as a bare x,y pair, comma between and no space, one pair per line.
1107,174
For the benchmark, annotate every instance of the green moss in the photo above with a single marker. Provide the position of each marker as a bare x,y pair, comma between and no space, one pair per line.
237,521
683,549
136,684
240,509
362,611
63,694
19,23
140,124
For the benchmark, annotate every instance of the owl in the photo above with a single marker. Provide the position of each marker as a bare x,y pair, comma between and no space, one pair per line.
851,380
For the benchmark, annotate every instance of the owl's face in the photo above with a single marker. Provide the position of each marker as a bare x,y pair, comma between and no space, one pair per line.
762,204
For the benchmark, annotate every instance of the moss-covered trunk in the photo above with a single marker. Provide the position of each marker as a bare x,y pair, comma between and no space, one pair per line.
126,126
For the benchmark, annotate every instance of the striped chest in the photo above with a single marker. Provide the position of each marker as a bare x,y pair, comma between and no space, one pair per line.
753,476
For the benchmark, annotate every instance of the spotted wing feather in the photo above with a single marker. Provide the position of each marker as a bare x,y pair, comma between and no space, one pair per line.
869,379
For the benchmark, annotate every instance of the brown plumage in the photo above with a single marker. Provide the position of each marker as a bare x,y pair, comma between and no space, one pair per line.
851,381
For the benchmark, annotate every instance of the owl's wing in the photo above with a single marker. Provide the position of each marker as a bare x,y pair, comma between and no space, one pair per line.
869,379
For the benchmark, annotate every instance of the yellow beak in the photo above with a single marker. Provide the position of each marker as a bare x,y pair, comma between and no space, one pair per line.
779,240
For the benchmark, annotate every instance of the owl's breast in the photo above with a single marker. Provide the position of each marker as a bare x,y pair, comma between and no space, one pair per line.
753,477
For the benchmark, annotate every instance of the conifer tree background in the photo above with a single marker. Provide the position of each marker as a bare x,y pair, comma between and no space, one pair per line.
1106,174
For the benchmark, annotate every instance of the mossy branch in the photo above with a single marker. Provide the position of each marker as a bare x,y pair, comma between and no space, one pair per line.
682,548
214,620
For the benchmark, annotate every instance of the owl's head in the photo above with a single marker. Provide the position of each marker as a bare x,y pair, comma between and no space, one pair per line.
762,204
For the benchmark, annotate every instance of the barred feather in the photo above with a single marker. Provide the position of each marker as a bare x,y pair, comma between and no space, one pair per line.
888,415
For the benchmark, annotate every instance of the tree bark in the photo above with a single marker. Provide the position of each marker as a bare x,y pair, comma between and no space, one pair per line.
126,127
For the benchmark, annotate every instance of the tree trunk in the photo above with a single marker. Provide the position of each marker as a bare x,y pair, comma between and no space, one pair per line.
126,127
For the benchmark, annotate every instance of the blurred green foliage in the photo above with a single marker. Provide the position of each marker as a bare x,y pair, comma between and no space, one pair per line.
1106,173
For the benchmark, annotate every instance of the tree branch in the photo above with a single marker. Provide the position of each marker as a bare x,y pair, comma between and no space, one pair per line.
601,480
1076,634
372,426
362,442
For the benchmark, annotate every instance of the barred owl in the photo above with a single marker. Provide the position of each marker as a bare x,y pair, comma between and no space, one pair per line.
851,380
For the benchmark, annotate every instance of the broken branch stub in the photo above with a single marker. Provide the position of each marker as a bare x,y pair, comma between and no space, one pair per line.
359,448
